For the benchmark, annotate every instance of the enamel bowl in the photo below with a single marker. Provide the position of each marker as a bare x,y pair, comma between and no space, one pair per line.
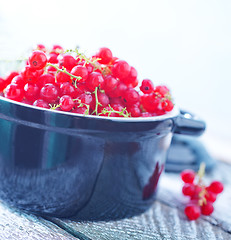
87,167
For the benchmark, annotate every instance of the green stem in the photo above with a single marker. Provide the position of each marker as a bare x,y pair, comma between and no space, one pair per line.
63,70
97,103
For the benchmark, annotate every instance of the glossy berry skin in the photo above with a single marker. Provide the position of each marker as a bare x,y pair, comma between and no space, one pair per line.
120,69
119,90
9,78
2,84
49,93
188,176
84,98
149,102
67,61
80,110
161,90
31,91
105,55
18,80
131,78
80,71
102,99
167,105
188,189
37,60
147,86
53,58
41,103
207,209
210,196
192,211
216,187
94,80
66,103
44,79
110,84
30,74
62,77
131,96
134,111
67,88
14,92
41,47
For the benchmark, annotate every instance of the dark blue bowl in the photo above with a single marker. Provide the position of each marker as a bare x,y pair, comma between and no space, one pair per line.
62,164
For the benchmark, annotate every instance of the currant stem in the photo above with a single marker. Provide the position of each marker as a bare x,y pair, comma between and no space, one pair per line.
126,114
96,101
63,70
201,172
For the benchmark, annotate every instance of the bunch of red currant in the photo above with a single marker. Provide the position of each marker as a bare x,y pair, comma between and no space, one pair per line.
101,85
201,196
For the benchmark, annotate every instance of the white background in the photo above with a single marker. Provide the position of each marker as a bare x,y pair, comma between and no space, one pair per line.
183,44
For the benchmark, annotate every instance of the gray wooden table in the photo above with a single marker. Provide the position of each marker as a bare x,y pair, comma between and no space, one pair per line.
164,220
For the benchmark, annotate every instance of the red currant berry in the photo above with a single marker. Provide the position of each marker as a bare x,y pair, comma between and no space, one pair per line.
131,96
84,98
2,84
57,49
117,100
18,80
119,90
62,77
66,103
210,196
131,78
41,47
121,69
161,91
44,79
167,105
53,58
105,55
192,211
67,61
41,103
80,110
188,176
37,60
31,91
102,99
134,111
188,189
80,71
14,92
216,187
49,93
94,80
110,84
147,86
30,74
67,88
207,208
149,102
10,77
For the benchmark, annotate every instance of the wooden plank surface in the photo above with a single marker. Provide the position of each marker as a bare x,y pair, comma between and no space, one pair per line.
15,225
164,220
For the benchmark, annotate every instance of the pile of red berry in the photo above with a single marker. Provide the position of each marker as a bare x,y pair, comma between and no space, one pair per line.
101,85
201,196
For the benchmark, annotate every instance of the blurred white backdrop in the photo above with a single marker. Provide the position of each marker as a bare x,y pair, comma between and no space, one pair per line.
183,44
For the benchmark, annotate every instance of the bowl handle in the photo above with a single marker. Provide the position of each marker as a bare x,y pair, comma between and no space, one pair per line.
188,124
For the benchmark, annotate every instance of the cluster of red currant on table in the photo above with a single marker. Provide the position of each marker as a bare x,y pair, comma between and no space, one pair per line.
101,85
201,196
